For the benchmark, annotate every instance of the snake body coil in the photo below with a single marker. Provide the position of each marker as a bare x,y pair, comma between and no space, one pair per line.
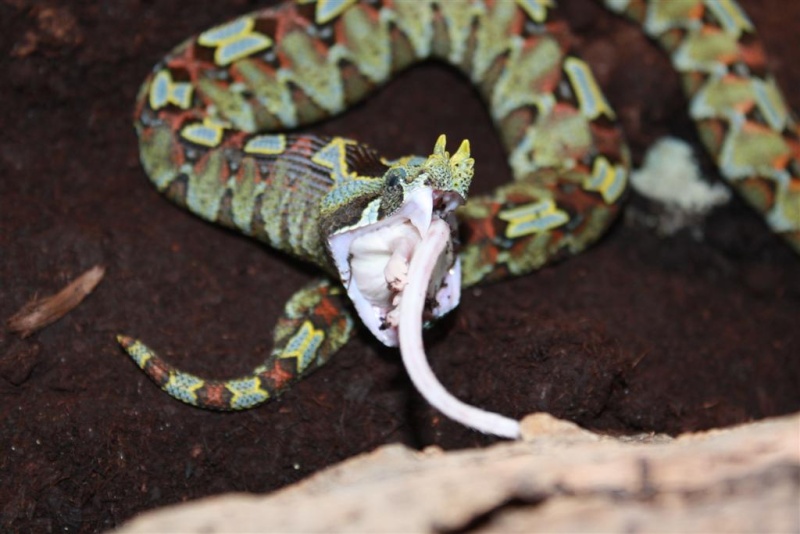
210,119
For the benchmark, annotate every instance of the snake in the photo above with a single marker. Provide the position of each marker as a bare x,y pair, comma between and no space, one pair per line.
219,123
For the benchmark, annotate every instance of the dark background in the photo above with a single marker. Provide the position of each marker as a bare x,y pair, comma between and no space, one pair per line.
639,334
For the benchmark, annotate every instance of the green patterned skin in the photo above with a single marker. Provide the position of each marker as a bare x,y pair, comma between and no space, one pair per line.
315,324
210,116
742,117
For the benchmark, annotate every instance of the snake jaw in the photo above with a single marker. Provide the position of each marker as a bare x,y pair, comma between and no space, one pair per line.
373,259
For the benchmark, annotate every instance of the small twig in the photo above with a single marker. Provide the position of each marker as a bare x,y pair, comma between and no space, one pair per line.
40,312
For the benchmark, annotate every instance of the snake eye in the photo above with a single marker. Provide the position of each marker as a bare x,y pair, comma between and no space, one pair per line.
394,177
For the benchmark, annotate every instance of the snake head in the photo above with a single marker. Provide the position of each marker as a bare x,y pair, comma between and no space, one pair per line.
372,256
447,177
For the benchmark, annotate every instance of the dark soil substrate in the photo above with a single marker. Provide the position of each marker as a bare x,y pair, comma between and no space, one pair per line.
639,334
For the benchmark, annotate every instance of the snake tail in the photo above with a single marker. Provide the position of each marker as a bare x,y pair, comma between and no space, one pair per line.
315,324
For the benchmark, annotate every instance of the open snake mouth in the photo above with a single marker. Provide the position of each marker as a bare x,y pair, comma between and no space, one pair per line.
401,271
373,262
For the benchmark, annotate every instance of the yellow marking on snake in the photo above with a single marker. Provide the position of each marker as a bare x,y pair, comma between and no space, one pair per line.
536,9
730,16
608,180
140,353
533,218
246,392
234,40
163,91
303,345
332,156
327,10
590,99
183,386
208,134
266,145
771,105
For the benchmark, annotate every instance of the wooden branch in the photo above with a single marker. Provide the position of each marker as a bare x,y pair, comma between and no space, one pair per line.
563,479
41,312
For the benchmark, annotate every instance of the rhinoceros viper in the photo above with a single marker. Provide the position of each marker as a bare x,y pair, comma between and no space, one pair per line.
217,118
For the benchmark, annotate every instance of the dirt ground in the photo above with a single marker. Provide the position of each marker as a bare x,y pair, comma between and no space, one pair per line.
639,334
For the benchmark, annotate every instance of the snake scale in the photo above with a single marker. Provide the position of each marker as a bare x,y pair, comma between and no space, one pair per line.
217,124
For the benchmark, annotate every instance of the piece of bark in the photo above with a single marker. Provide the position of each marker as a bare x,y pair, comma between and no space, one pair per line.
41,312
744,479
